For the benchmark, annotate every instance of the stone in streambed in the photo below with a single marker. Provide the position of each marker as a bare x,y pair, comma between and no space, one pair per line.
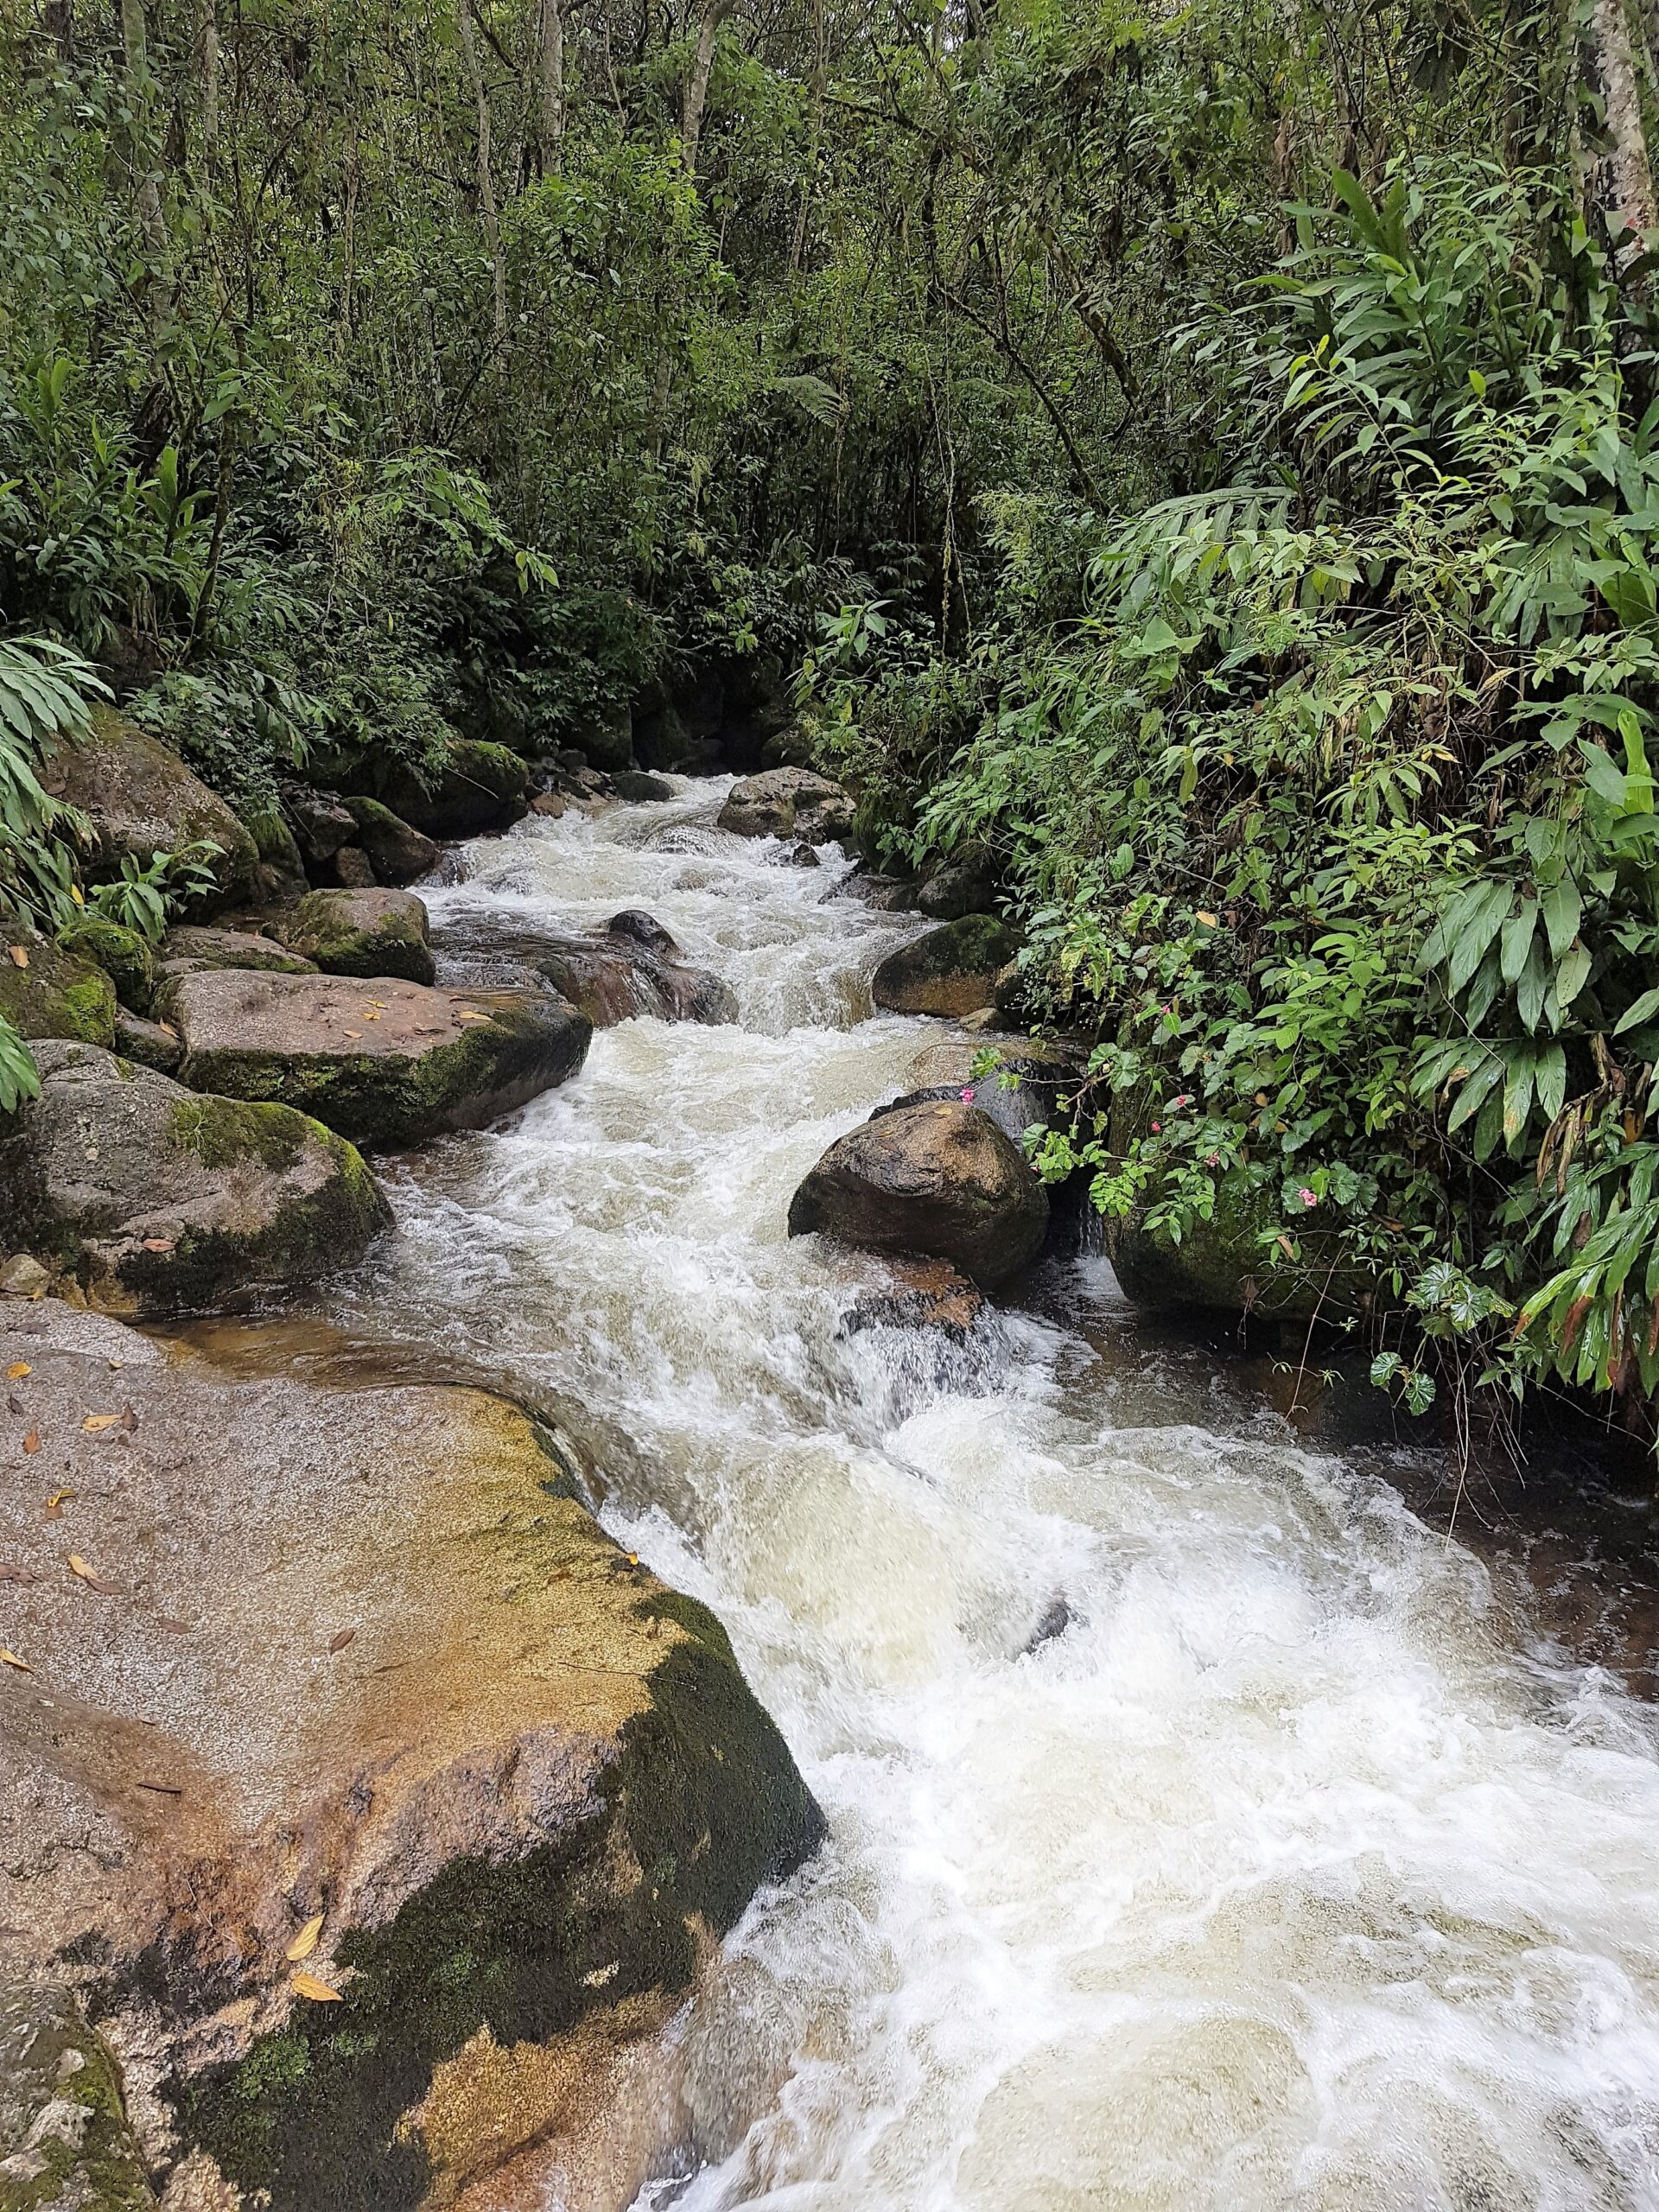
65,2142
631,967
148,1043
480,787
950,970
363,933
323,823
397,851
788,803
959,888
939,1179
188,950
157,1200
142,800
368,1658
640,788
385,1063
51,993
922,1294
126,958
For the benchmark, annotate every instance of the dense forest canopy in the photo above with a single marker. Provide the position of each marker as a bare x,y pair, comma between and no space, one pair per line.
1201,459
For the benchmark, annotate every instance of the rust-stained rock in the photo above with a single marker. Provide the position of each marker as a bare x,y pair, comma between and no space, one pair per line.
921,1294
360,1654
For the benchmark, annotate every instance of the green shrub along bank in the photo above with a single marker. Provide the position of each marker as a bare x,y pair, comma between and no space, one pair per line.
1196,464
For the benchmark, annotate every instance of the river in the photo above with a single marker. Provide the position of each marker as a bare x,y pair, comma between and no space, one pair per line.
1296,1870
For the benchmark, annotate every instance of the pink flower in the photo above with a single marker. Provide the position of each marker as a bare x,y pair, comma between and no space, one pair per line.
1210,1158
1185,1099
968,1097
1308,1196
1157,1128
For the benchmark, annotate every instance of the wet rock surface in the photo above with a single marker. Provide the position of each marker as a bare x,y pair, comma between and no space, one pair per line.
142,800
376,932
385,1063
359,1703
788,803
398,852
631,967
922,1294
939,1179
157,1200
951,970
187,949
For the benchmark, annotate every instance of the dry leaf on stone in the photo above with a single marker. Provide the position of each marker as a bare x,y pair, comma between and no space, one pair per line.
18,1369
54,1505
9,1573
90,1577
306,1984
306,1942
470,1016
14,1403
19,955
158,1243
95,1424
341,1638
10,1659
32,1442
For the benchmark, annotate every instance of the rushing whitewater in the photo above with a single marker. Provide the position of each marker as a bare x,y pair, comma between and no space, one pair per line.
1204,1832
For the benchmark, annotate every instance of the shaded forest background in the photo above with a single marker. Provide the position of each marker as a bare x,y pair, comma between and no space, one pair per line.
1201,460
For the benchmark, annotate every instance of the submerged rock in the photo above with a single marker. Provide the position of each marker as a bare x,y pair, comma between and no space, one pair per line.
142,800
940,1178
640,788
363,933
157,1200
65,2142
788,803
950,970
385,1063
361,1680
398,852
46,992
923,1294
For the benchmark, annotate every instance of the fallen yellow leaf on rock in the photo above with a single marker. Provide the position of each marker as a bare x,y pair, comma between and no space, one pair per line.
306,1984
18,1369
470,1016
89,1576
10,1659
54,1505
32,1442
95,1424
306,1942
19,957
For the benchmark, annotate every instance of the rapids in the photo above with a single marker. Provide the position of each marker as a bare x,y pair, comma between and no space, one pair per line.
1205,1831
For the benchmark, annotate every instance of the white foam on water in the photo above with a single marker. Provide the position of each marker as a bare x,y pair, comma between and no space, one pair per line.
1283,1876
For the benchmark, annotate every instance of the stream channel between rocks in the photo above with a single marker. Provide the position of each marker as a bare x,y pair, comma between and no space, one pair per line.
1205,1831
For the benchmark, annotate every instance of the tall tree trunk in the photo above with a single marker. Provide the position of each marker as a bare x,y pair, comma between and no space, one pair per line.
1623,186
551,58
207,70
486,207
146,189
712,14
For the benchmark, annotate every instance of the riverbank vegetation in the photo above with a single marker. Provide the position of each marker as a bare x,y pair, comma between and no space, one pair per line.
1202,461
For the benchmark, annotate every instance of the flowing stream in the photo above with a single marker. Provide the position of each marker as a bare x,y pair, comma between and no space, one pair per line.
1205,1831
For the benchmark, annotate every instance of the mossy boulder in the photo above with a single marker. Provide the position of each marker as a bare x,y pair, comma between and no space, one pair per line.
65,2142
385,1063
363,933
126,958
157,1200
939,1179
149,1043
951,970
371,1664
398,852
480,787
279,877
46,992
606,739
960,887
142,800
788,803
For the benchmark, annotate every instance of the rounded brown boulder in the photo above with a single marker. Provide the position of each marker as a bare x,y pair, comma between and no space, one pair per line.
937,1178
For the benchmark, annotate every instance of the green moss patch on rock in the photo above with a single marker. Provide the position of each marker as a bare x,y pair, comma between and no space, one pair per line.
157,1200
480,787
57,994
189,948
126,958
64,2137
951,970
363,933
